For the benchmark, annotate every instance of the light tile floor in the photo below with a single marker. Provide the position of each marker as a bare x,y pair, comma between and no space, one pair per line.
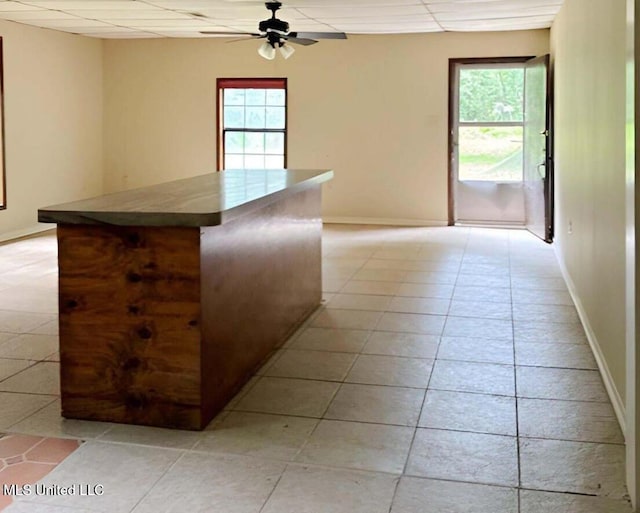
446,372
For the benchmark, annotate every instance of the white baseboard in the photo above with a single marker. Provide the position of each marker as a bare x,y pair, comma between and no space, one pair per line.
505,225
614,396
24,232
382,221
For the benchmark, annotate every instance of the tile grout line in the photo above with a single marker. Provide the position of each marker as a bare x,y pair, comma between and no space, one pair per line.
155,483
333,396
30,414
515,383
264,504
424,399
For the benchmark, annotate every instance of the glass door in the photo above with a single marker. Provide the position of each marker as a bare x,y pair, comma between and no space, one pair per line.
538,160
487,126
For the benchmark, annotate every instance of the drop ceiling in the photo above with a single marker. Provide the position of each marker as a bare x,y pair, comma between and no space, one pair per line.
186,18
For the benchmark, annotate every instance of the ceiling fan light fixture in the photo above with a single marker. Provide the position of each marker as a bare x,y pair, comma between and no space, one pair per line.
267,51
287,50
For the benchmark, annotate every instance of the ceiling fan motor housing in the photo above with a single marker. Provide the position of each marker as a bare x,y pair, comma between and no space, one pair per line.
274,24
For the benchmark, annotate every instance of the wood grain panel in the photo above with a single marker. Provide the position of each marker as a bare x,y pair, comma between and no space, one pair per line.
261,277
129,324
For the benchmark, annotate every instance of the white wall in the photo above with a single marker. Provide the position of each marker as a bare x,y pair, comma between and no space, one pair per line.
53,122
588,47
373,108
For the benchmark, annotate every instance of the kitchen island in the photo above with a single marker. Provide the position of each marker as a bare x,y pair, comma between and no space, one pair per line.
172,296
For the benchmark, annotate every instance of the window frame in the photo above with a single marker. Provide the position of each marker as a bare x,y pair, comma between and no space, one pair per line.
459,124
247,83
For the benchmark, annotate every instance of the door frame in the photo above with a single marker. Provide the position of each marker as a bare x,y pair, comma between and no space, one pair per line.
632,251
451,106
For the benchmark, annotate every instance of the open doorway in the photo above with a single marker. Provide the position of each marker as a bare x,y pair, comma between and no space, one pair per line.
499,143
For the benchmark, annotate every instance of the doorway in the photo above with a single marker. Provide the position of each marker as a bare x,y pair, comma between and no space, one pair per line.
499,144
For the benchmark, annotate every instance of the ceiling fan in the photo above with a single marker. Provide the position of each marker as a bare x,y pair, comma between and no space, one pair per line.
276,34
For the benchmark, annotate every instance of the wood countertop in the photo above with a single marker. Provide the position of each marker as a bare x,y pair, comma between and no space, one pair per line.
207,200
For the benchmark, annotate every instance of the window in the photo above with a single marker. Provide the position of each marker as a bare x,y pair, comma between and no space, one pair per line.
252,123
490,122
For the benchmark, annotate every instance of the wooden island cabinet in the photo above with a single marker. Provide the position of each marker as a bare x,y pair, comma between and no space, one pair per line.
171,296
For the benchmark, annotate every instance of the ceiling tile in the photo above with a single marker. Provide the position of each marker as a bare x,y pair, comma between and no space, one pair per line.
513,6
350,12
178,33
497,24
385,28
64,5
14,6
136,14
198,4
123,35
358,4
254,14
73,23
491,15
398,21
39,14
108,29
182,24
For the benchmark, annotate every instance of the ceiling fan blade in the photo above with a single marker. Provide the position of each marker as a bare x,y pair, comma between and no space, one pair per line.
300,41
217,33
319,35
251,38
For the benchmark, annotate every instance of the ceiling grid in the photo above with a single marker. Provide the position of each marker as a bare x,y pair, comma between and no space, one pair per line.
188,18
